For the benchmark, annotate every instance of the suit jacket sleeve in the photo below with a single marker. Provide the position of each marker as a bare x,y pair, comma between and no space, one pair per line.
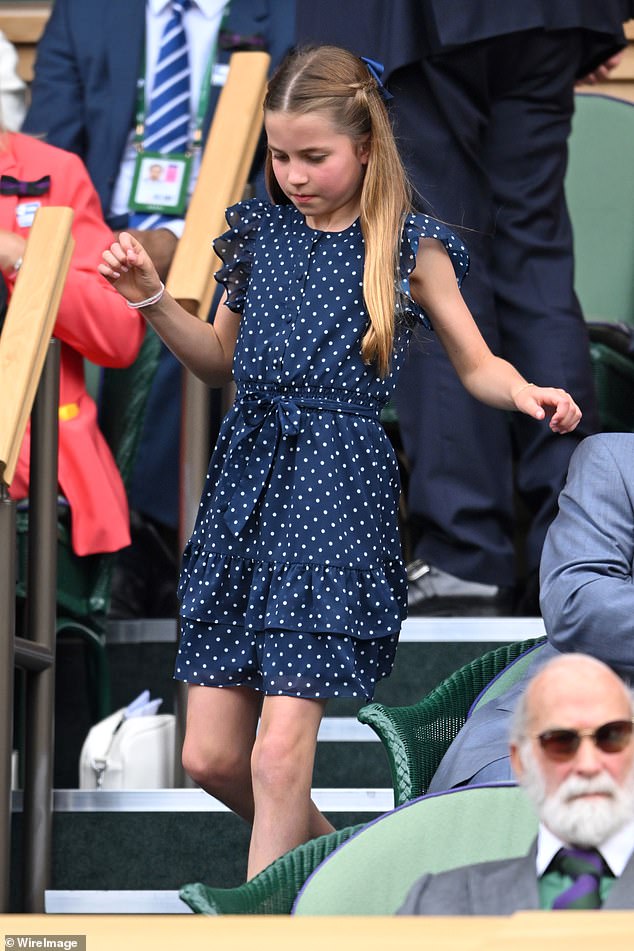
500,887
587,594
57,89
427,896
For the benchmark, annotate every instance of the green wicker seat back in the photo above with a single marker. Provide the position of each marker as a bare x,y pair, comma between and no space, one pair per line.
372,873
272,891
416,737
600,199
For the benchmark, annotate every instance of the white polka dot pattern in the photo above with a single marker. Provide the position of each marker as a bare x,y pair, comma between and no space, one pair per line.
293,580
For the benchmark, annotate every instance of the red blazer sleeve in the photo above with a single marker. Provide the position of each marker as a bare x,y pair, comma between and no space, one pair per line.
92,318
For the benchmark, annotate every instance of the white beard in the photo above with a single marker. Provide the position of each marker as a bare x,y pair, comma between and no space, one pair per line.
579,821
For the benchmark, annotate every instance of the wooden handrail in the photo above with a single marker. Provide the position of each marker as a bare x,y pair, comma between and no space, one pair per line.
222,178
24,22
23,25
29,325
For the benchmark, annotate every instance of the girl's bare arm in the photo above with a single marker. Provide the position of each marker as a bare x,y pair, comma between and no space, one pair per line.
487,377
205,349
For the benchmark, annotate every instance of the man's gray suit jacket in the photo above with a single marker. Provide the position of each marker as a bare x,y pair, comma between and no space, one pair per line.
497,888
587,598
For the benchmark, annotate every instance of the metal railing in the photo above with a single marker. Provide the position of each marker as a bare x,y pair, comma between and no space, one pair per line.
29,383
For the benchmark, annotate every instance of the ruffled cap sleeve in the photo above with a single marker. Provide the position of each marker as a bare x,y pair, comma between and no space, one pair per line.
235,248
419,226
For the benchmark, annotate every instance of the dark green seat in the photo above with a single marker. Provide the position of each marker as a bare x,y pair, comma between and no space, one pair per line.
416,737
600,197
83,582
274,890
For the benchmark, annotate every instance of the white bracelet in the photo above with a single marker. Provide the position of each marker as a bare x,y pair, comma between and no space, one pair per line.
524,387
154,299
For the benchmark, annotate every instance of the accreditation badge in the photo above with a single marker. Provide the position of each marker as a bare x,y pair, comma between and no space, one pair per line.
25,213
160,183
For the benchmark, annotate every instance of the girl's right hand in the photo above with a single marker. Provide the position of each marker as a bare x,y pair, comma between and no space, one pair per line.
129,268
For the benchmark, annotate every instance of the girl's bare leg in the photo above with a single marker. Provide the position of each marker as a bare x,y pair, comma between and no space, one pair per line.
219,737
282,771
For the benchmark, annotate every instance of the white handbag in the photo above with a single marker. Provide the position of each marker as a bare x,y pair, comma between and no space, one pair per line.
124,752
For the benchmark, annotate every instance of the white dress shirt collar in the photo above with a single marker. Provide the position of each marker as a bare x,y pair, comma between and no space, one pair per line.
616,850
208,8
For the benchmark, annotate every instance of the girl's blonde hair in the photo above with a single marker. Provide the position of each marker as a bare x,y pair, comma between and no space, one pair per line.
334,81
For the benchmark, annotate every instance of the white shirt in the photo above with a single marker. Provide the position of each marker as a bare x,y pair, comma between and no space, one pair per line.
202,24
616,850
12,88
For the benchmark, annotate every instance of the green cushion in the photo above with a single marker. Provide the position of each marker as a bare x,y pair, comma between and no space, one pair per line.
600,195
507,677
372,872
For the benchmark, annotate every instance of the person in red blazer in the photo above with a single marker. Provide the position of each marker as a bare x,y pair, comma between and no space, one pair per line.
93,322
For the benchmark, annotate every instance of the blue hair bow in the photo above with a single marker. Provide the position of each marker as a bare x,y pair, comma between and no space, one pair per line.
376,71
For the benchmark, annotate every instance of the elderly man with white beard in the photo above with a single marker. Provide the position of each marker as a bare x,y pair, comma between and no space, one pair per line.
572,751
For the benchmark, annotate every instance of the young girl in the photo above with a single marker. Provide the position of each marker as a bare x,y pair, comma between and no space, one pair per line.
293,589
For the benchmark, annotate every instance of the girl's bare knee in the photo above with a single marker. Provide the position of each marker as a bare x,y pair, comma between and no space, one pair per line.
275,764
211,768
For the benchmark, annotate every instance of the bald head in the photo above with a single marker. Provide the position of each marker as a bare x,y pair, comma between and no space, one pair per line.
577,680
572,748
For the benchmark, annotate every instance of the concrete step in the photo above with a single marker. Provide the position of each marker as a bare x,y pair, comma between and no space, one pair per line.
135,849
157,840
114,902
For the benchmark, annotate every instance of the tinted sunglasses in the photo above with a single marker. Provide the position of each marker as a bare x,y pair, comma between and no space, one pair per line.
610,738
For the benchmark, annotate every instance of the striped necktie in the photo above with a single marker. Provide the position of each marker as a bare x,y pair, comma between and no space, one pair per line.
167,121
585,867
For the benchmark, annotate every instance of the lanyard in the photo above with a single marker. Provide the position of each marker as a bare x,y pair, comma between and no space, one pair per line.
203,101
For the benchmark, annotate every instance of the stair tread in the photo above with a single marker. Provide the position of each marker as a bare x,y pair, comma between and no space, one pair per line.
114,902
351,799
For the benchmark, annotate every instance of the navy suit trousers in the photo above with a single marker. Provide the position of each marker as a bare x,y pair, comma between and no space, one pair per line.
483,130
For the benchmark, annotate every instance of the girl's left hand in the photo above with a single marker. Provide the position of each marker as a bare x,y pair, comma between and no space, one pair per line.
542,401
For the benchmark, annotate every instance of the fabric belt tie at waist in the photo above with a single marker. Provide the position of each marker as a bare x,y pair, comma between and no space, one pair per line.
68,411
269,420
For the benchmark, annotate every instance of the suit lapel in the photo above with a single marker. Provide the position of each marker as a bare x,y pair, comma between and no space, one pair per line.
124,53
621,895
505,887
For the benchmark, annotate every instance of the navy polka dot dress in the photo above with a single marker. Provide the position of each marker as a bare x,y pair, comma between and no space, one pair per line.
292,581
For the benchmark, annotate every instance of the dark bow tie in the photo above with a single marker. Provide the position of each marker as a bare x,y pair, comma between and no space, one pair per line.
13,186
241,42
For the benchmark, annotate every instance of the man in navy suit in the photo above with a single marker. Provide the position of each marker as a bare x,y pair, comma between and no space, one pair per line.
84,99
483,102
